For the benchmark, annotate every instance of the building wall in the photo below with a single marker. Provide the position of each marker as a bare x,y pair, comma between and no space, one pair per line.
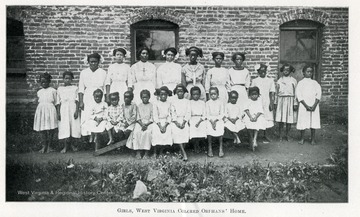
59,37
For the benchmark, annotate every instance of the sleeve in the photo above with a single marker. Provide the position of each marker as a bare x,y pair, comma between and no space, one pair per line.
168,119
207,110
226,113
92,113
108,76
105,111
318,91
222,111
203,111
173,112
132,79
188,112
58,99
253,83
260,107
272,86
81,83
228,81
158,77
154,74
247,79
128,75
76,94
133,116
207,81
55,97
294,84
155,113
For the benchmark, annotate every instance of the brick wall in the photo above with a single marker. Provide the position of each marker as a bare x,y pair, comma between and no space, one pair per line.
59,37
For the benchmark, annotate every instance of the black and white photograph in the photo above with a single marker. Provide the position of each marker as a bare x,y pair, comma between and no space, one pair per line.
176,109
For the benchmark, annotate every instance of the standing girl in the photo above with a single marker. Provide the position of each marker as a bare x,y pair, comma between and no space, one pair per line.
91,79
215,123
240,77
308,93
118,75
254,118
218,77
141,136
197,123
169,73
266,86
45,120
143,74
193,73
68,111
180,112
287,104
161,135
234,116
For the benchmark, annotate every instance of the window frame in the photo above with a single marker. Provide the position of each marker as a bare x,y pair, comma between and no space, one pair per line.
15,30
152,24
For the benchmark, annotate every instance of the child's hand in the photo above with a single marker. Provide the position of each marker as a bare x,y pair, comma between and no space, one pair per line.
76,114
214,125
81,105
177,124
126,124
183,125
295,107
114,122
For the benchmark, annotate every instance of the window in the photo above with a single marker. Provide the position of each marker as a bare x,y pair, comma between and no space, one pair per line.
300,45
155,34
15,48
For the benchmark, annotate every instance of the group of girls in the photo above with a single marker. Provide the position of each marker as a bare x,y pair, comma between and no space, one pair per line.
137,103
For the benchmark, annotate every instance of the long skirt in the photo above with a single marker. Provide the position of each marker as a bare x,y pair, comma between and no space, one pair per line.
139,139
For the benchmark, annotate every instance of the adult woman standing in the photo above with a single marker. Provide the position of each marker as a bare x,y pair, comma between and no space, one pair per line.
240,78
91,78
142,75
118,75
193,73
169,73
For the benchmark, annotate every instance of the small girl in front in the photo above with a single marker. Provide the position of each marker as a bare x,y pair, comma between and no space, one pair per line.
287,104
234,116
141,136
161,135
114,116
215,123
197,121
254,118
68,111
97,122
180,112
45,120
308,93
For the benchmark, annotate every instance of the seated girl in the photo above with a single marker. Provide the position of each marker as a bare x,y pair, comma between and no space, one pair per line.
234,116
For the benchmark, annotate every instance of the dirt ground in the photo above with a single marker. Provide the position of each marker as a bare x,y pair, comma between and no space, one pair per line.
328,138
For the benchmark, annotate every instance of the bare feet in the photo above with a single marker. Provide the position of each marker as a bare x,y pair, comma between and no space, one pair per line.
313,142
185,157
138,155
74,148
210,153
63,151
301,142
221,153
49,150
266,140
42,151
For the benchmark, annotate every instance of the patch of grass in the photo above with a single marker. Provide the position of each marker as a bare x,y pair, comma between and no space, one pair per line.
175,181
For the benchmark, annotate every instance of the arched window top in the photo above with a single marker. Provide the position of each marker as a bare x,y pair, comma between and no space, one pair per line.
155,24
301,24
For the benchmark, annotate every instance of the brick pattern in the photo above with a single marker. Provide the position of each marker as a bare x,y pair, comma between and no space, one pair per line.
59,37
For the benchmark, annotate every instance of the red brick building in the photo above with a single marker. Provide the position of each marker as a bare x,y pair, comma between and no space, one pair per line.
56,38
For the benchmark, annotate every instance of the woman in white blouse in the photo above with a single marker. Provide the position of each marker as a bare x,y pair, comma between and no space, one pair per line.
240,77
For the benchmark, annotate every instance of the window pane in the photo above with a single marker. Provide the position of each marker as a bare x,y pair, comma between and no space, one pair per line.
15,55
155,40
298,45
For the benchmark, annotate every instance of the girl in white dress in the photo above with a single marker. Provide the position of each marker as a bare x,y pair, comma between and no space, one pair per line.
308,93
161,135
68,111
266,86
180,112
214,122
143,75
254,118
286,103
45,120
240,77
142,134
197,121
91,79
234,116
169,73
118,75
193,73
218,77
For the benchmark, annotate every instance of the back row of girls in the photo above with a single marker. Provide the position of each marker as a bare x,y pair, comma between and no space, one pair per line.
143,75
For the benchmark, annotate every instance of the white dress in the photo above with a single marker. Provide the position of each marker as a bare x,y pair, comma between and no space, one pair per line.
45,115
234,111
180,111
98,110
90,81
141,140
68,125
143,76
266,86
254,108
168,74
162,114
285,100
215,110
308,90
198,111
239,81
220,78
118,77
194,76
